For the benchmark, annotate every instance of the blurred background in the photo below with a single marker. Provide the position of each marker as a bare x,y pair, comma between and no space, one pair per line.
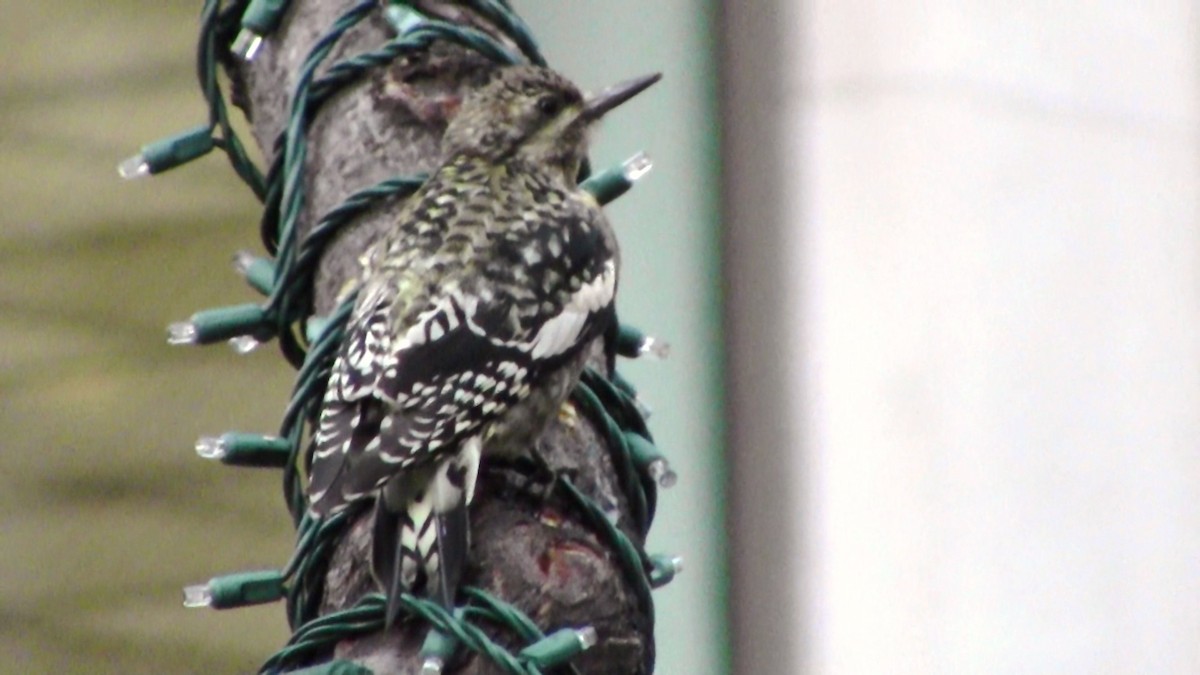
937,262
964,318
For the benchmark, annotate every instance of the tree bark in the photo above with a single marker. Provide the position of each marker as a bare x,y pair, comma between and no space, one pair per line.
535,553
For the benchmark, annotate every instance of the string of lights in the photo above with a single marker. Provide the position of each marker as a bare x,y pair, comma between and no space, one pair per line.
237,30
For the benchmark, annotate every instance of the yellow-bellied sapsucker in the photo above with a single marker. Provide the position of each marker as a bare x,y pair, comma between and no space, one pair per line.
471,320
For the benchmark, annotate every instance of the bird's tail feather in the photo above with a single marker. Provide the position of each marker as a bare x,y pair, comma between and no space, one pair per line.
422,533
387,557
453,543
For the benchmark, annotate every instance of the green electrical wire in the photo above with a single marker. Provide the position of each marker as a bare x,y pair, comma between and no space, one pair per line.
311,345
217,26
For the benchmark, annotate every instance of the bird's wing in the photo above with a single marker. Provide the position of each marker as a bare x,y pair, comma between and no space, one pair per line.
397,397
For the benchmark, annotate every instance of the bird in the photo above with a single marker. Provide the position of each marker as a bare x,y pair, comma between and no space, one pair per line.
470,325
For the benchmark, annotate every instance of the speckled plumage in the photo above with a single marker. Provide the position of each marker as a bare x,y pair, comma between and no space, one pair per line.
498,273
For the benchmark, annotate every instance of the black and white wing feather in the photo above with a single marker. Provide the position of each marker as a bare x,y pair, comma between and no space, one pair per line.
395,398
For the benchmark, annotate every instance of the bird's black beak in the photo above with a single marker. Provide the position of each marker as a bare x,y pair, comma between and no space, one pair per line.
597,105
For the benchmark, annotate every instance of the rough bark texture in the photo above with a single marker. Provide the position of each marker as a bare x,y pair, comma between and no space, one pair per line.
534,553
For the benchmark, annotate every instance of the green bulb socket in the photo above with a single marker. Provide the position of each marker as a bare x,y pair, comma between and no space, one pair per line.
641,449
245,588
215,325
648,458
439,649
169,153
607,185
260,19
559,647
615,181
263,16
315,327
246,450
630,341
259,272
666,568
403,17
179,149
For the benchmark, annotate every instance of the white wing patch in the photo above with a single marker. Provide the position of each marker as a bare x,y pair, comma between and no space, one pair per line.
561,332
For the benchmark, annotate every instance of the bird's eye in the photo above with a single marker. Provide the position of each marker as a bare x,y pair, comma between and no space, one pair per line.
549,105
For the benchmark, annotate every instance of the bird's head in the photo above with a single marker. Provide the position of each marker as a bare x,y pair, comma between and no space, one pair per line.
533,115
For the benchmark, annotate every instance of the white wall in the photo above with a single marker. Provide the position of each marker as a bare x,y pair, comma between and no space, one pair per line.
992,335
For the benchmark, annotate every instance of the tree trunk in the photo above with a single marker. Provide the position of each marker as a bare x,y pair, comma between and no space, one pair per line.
534,553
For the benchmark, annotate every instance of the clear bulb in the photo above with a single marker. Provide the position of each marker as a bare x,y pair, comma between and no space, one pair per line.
587,637
134,167
181,333
662,473
243,261
197,596
211,447
244,344
432,666
637,166
652,346
246,44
